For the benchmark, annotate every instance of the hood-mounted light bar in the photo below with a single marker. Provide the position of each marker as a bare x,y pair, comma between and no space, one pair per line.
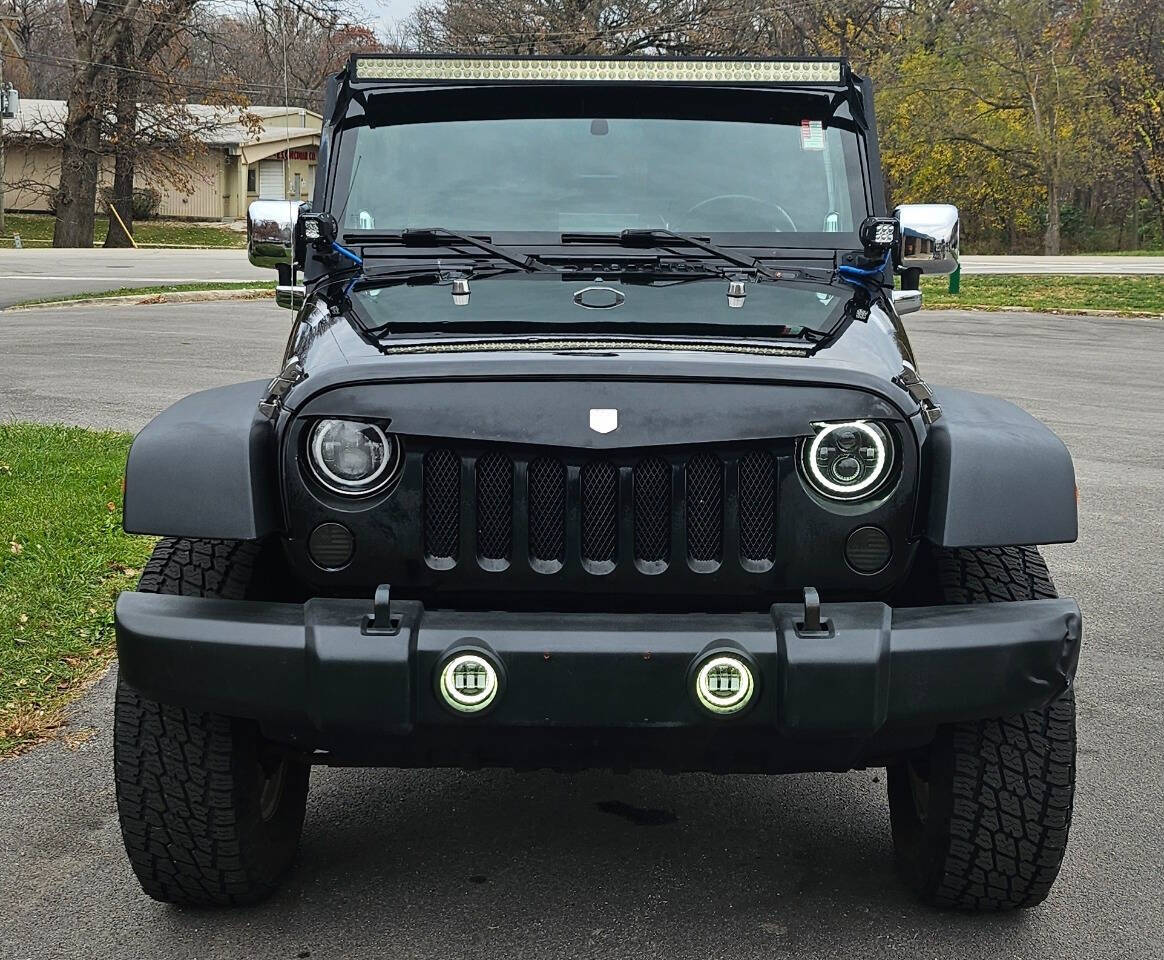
437,69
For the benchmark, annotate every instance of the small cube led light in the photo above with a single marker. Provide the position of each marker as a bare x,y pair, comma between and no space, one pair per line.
878,234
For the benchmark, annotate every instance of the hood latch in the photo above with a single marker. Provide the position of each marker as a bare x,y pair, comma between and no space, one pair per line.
917,388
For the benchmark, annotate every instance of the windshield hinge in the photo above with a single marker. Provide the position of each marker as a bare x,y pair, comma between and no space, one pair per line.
290,375
917,388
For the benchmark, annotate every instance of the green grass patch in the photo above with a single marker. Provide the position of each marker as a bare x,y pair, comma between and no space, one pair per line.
63,558
1142,295
153,291
37,230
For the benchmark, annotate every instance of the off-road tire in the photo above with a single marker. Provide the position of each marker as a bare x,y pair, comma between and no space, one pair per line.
210,813
980,820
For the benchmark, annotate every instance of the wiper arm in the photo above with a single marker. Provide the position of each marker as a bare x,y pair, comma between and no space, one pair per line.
652,235
432,234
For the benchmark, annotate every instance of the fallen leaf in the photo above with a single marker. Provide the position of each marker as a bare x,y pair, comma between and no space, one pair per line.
16,548
111,506
24,618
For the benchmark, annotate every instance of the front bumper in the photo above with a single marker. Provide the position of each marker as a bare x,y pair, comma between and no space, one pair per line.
592,689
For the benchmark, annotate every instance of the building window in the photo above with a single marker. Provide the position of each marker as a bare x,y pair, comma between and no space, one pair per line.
252,186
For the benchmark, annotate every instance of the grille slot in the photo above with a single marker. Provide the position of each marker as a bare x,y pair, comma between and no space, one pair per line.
652,486
599,512
547,510
495,507
442,504
758,507
704,508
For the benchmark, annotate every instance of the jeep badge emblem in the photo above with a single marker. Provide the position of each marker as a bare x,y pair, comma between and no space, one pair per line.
599,298
603,421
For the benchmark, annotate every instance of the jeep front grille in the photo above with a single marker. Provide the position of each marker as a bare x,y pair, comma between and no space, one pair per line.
708,508
495,507
599,513
758,507
547,510
442,499
652,486
704,508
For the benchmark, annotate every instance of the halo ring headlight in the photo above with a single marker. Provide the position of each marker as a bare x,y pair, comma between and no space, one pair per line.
848,460
352,457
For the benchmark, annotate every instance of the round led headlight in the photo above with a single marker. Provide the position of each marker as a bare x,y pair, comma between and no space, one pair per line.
351,457
468,683
724,685
847,461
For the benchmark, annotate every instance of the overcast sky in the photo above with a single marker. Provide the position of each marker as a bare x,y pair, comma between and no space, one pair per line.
393,11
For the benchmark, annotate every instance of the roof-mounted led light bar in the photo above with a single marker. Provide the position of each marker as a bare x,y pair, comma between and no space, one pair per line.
582,70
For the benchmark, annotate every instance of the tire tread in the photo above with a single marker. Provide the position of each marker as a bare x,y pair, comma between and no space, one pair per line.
1011,780
178,772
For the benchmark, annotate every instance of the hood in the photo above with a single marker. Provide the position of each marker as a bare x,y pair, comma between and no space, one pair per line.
529,390
576,303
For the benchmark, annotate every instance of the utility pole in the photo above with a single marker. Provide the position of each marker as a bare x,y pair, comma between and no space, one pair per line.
5,100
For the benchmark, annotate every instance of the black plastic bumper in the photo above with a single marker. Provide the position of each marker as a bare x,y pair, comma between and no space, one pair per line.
878,679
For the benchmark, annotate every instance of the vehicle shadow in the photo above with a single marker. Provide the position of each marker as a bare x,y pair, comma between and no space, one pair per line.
499,864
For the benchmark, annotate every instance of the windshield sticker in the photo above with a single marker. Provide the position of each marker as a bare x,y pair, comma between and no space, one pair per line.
811,135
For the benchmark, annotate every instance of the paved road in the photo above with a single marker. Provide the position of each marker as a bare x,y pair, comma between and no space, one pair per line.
495,864
33,274
1052,265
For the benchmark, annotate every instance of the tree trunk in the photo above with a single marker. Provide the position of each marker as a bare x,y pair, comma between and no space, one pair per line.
76,198
1051,238
124,148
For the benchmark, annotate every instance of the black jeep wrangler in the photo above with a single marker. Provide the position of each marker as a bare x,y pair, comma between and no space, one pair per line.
598,441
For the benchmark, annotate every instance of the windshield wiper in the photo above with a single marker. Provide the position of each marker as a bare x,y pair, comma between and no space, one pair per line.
652,235
431,235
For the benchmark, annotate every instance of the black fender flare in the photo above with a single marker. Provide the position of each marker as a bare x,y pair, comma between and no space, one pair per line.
206,467
996,476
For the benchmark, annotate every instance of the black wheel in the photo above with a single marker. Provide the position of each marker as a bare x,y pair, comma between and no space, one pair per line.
210,813
980,819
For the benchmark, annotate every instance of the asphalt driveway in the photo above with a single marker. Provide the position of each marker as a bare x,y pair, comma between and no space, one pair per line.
40,273
447,864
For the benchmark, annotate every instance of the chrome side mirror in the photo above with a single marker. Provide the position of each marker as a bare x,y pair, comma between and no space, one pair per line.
290,295
907,301
270,232
271,243
929,237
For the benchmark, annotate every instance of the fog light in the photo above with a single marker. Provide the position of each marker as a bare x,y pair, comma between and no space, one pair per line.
724,685
468,683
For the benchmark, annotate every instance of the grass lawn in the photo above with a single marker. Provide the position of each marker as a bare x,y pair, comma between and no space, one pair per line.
153,291
63,558
37,230
1051,293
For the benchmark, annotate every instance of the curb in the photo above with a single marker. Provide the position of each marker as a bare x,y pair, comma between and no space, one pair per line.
147,299
1081,312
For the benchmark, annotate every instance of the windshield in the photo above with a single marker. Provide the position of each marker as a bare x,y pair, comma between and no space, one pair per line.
601,175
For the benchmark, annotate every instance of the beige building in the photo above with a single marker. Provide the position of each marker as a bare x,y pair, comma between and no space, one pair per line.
273,157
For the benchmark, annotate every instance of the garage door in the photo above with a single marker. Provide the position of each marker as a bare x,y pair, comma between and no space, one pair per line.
271,179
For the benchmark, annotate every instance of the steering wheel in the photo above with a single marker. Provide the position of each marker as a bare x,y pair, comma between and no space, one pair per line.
722,197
